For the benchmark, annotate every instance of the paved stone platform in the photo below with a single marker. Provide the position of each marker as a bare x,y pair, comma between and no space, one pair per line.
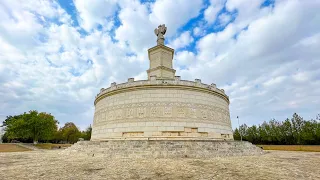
164,148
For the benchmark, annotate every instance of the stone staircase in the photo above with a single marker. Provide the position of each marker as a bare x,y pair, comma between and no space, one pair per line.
164,148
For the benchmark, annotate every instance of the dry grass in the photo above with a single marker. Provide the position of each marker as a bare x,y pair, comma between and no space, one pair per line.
52,146
12,148
310,148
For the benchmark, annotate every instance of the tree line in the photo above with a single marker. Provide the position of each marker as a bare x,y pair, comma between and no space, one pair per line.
294,131
36,127
43,127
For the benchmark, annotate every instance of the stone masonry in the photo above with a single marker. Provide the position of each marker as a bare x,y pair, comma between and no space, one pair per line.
164,149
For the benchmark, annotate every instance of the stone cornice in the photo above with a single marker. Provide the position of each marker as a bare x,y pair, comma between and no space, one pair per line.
161,67
158,84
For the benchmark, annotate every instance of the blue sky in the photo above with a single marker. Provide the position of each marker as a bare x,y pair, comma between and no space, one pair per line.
56,55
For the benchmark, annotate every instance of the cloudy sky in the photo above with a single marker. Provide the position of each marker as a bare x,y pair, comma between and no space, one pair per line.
56,55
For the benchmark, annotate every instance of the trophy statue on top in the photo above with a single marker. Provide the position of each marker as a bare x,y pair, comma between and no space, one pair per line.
160,31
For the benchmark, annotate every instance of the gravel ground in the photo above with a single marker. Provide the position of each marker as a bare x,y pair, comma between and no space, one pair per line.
52,164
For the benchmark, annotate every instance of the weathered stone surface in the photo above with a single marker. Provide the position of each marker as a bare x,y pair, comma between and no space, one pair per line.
165,148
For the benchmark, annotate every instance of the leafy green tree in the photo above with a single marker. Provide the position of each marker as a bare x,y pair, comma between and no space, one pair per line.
252,134
287,132
308,132
264,131
318,128
236,134
297,123
291,131
70,132
32,125
5,138
58,137
86,135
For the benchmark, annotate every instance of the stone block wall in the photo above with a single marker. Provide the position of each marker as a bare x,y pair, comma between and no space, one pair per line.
165,149
160,56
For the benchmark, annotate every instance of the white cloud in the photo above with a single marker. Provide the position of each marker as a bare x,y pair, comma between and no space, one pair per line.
301,76
210,14
197,31
182,41
224,19
97,12
247,11
174,13
271,68
263,59
184,58
47,67
216,44
136,29
275,81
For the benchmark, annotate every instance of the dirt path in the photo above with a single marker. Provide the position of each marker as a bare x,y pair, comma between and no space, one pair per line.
53,165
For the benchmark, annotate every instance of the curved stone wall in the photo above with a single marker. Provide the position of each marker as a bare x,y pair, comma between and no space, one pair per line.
161,109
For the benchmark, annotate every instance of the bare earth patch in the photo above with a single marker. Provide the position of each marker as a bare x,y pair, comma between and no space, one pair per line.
51,164
12,148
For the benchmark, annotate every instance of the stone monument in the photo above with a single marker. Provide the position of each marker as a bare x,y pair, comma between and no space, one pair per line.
162,107
163,116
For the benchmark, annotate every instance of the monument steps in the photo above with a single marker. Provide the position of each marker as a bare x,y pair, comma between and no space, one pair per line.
164,148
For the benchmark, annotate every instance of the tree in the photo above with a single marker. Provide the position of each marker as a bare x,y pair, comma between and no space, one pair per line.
86,135
236,134
287,132
297,123
32,125
318,128
291,131
309,132
70,132
5,138
252,134
243,131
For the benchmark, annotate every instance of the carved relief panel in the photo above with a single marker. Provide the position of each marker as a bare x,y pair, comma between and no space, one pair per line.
141,111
